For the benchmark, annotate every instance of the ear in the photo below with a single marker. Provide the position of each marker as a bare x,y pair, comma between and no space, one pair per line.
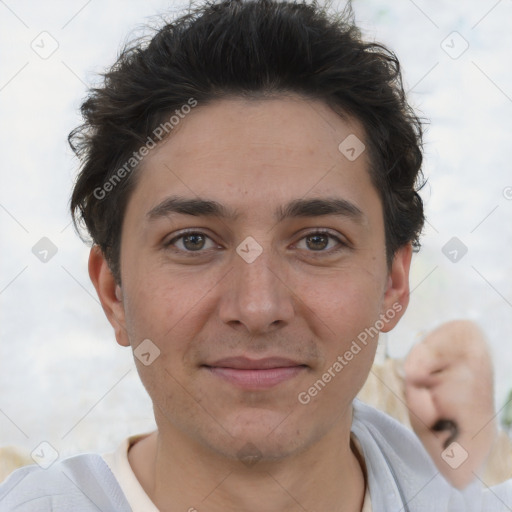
109,293
396,295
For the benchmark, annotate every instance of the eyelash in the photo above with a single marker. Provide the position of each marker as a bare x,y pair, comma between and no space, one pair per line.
341,244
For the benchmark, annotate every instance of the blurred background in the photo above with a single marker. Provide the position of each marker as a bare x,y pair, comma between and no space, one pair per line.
63,378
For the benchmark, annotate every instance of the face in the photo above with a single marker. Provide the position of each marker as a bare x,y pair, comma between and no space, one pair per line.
253,259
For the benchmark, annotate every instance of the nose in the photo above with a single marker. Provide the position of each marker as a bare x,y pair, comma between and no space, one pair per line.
256,296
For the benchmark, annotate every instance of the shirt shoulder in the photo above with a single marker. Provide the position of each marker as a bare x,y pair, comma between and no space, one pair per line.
401,474
498,498
83,482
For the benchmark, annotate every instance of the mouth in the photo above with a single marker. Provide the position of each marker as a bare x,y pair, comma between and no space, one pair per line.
255,373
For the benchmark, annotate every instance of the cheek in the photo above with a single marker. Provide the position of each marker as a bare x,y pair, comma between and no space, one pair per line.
171,311
345,302
348,309
153,299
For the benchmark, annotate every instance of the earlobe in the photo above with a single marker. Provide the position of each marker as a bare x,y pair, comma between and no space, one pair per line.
396,296
109,293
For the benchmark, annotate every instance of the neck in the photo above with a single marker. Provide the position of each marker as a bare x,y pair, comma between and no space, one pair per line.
179,474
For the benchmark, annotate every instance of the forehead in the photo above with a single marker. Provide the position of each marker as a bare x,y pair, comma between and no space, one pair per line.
272,128
253,152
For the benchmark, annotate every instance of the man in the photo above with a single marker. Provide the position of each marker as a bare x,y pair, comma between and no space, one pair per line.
249,184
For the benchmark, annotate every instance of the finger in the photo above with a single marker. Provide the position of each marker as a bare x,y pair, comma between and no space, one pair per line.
455,341
422,364
422,409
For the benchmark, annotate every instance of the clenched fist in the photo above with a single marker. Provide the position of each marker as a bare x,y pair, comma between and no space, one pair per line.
449,394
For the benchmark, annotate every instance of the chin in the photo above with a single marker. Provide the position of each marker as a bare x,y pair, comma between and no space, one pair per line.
251,449
263,434
258,422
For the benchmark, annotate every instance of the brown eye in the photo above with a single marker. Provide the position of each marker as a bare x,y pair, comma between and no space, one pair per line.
321,241
191,242
194,242
317,242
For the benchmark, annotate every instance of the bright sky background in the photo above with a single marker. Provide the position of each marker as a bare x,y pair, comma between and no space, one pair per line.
63,378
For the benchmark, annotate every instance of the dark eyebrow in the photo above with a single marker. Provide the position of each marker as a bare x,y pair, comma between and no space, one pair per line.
295,208
319,207
196,207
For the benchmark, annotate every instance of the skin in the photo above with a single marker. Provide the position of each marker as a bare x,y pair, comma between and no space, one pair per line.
301,299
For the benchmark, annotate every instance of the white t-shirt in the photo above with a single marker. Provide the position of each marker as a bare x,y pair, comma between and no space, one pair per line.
119,465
